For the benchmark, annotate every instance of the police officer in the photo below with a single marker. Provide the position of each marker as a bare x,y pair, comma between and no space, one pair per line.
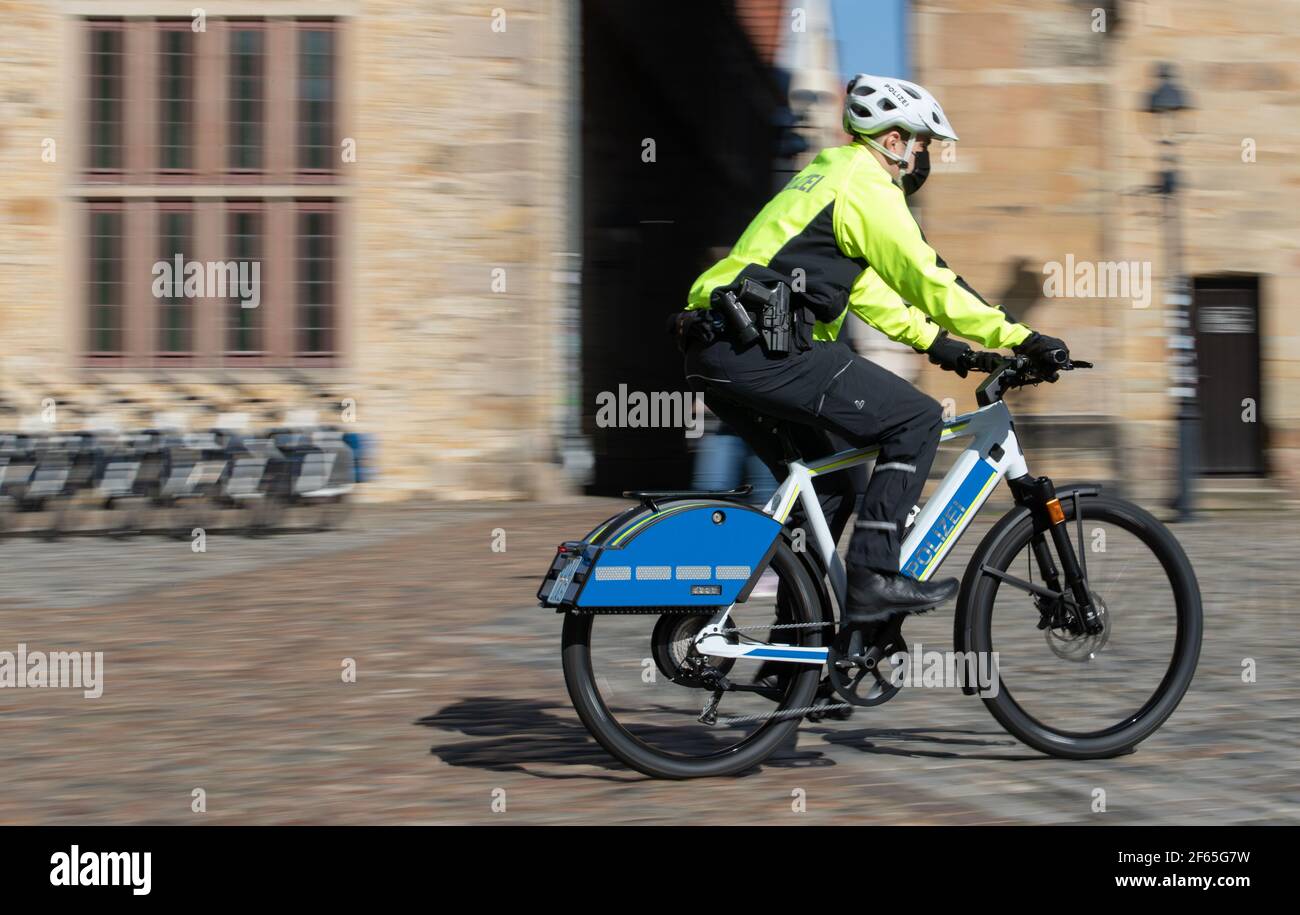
841,238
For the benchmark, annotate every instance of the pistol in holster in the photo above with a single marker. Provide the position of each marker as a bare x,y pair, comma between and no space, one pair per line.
773,309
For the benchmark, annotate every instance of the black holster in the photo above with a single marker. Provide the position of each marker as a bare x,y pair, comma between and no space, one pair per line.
783,327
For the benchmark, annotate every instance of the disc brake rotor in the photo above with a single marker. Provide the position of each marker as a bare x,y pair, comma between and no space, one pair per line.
1079,648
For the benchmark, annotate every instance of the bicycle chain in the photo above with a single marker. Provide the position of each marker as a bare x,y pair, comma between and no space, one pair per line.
788,713
777,626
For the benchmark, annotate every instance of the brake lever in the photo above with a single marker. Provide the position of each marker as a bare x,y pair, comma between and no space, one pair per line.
1035,377
984,362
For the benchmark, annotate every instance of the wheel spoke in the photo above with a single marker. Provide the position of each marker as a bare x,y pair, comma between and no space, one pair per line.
1110,585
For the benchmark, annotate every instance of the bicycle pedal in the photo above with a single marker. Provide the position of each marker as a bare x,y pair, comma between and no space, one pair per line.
853,660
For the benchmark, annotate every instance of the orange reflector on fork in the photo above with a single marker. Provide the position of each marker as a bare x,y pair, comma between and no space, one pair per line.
1055,512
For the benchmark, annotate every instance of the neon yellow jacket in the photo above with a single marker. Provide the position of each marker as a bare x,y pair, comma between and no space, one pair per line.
841,235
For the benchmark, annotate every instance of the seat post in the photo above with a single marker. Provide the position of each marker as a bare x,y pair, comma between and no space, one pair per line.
789,451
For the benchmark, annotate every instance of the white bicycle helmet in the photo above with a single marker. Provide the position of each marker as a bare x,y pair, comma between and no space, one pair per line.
874,104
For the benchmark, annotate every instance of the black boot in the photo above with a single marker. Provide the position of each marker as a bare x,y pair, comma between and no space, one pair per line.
875,597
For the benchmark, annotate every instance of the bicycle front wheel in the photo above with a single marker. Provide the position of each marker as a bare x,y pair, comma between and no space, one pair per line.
635,679
1076,695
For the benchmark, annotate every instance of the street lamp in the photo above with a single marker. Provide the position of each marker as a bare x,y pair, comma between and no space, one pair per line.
1165,101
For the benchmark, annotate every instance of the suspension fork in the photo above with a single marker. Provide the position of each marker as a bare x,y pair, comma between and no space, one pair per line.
1046,564
1039,496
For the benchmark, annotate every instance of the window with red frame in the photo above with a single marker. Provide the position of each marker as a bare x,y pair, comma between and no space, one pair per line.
266,90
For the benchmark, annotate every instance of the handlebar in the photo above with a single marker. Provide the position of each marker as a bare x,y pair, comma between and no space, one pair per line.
1006,372
988,363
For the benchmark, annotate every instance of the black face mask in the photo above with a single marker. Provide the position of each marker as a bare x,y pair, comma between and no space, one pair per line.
913,180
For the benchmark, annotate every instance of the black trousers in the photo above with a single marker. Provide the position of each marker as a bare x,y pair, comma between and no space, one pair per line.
829,398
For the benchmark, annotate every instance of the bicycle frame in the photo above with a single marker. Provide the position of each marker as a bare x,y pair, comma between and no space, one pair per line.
993,453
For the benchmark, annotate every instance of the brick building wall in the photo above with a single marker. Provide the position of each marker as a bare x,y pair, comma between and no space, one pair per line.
465,176
453,227
1053,150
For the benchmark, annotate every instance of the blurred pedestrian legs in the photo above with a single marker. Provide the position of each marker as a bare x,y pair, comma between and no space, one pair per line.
724,461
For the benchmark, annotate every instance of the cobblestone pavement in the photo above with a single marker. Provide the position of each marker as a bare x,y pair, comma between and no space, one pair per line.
223,673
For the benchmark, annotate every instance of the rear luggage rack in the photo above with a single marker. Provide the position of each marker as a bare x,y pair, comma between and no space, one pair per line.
649,497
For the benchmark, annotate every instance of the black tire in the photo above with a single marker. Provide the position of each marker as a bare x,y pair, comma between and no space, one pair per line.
798,592
1002,547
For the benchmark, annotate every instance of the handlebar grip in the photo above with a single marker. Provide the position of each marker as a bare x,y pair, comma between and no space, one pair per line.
1059,356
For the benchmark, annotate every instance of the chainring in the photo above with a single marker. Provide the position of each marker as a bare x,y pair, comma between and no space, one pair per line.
855,657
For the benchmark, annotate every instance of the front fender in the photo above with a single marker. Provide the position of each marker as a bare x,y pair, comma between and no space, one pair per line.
961,625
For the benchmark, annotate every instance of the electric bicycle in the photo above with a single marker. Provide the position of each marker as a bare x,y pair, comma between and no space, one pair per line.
1083,604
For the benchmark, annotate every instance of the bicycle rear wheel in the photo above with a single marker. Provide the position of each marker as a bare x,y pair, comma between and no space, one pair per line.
1082,696
625,677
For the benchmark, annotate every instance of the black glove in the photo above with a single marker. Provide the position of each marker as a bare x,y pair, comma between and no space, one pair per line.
685,326
1046,354
950,354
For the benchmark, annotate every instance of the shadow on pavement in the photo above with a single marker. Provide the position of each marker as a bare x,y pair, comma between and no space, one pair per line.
516,733
864,741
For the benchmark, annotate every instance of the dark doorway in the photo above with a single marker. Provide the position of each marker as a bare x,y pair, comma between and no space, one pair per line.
1226,312
678,139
